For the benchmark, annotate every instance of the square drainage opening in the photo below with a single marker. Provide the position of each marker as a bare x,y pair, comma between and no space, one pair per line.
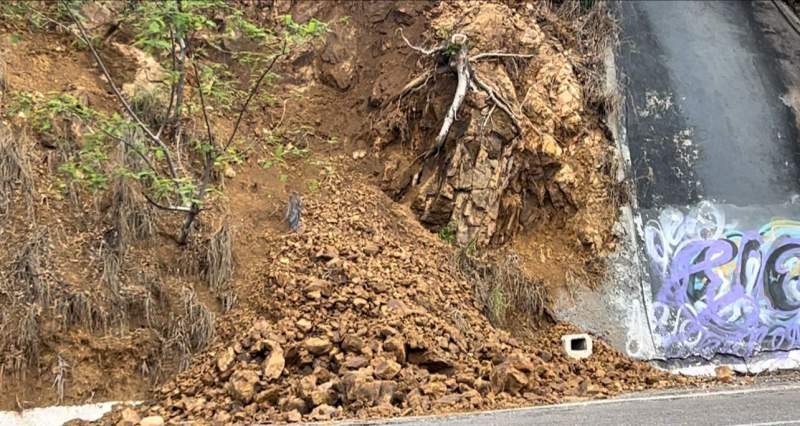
578,344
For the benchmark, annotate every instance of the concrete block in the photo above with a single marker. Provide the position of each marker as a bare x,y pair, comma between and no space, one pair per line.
577,346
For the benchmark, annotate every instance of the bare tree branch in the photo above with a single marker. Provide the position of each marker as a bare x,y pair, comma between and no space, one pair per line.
489,55
498,100
426,52
203,106
177,119
171,91
250,96
163,207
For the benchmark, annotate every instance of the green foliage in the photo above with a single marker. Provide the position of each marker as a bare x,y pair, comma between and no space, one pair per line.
217,85
313,185
38,14
498,305
62,105
448,233
153,20
298,32
88,169
228,158
250,30
451,49
43,111
14,38
280,153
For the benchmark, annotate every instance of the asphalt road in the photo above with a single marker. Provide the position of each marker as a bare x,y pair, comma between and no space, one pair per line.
776,405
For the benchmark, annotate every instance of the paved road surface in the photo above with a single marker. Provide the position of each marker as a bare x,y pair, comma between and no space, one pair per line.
775,405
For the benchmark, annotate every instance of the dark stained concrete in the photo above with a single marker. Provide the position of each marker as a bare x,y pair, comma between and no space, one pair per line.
704,113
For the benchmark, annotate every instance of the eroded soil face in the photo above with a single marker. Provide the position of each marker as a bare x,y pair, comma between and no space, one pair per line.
415,284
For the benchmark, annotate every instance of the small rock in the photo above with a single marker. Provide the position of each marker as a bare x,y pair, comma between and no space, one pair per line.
355,362
273,366
225,361
327,253
294,416
359,154
386,368
229,172
397,346
222,417
352,343
152,421
317,345
129,417
724,373
242,385
371,249
505,377
304,325
323,412
545,356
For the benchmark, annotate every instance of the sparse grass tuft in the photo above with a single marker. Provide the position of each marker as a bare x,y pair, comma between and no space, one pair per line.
506,293
448,233
149,106
191,331
29,270
219,266
131,215
15,170
28,339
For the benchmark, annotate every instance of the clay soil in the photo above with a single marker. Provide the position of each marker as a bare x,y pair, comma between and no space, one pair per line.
411,287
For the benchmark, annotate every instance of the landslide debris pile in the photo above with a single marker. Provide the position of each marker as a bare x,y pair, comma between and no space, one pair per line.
365,314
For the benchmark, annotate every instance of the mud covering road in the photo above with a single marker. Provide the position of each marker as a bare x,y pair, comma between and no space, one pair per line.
711,94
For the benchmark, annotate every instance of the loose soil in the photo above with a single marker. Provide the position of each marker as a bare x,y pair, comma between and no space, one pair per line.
365,311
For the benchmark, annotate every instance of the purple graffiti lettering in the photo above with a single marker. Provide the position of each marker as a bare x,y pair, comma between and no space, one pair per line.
722,291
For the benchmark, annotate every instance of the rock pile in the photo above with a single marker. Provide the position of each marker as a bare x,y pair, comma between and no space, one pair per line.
363,314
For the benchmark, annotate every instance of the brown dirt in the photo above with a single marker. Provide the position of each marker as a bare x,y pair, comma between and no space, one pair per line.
350,319
371,312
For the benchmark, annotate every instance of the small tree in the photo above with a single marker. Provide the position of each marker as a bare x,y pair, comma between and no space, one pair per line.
169,26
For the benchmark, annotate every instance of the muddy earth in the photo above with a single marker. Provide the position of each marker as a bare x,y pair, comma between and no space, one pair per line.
412,185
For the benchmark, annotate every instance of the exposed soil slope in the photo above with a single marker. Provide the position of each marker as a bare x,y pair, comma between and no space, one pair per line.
364,311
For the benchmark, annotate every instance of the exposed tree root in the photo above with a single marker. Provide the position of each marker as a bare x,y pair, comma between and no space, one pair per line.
460,63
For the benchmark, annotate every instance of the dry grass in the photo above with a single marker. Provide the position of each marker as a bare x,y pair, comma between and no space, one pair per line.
111,266
59,377
131,215
79,308
505,292
28,337
219,266
189,332
15,170
587,30
150,108
29,271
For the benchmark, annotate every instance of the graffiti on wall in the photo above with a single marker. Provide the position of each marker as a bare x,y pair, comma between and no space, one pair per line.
723,290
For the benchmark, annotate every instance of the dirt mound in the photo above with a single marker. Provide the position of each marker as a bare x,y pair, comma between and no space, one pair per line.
523,152
366,314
